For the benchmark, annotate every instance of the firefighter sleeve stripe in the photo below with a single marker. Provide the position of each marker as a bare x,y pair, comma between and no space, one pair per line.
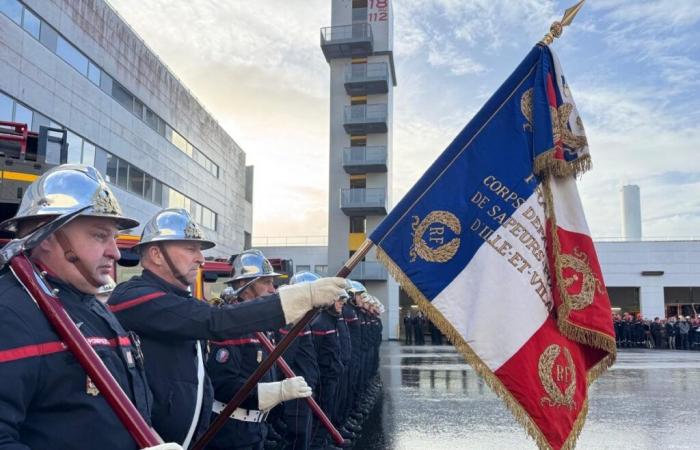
135,302
47,348
236,341
323,333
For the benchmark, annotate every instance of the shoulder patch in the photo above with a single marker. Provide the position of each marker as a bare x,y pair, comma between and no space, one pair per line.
222,355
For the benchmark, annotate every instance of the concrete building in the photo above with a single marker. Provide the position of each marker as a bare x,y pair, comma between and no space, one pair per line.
358,47
75,64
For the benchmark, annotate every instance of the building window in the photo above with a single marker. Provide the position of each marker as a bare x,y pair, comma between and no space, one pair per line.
31,23
94,73
321,269
75,148
123,174
122,96
6,104
23,114
112,163
136,177
358,224
302,268
12,9
72,55
358,182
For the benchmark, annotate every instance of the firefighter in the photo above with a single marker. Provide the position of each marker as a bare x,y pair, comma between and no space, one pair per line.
324,330
46,398
301,357
350,313
232,361
159,306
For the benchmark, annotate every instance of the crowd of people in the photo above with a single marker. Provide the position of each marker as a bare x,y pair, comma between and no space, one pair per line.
176,359
674,333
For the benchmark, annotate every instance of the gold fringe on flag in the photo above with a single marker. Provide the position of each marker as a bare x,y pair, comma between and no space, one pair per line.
436,317
547,165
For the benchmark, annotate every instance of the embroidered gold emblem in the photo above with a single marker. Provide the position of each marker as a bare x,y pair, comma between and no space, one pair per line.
578,262
526,109
560,127
192,231
104,202
560,123
90,388
551,373
435,224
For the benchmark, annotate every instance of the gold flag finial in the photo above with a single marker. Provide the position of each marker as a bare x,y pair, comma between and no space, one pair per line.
558,26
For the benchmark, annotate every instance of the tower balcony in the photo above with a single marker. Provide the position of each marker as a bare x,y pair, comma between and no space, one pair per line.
369,271
365,159
347,41
363,201
365,119
367,79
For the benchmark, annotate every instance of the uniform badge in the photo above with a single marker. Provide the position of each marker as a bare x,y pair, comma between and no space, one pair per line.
259,357
90,388
222,355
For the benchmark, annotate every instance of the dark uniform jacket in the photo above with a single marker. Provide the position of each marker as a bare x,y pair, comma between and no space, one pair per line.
46,400
230,363
170,322
324,329
301,355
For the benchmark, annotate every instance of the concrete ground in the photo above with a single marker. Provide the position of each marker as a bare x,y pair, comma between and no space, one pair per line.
433,400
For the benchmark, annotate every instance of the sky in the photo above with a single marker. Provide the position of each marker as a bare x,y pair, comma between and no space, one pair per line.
633,68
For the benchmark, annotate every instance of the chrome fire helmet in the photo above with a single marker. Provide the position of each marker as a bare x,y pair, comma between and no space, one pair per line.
67,188
173,225
304,277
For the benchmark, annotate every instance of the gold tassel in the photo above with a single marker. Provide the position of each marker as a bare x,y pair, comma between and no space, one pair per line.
546,164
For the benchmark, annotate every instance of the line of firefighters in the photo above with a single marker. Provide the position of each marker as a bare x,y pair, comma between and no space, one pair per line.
178,359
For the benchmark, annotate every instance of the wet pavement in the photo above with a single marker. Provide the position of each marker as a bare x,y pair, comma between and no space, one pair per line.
433,400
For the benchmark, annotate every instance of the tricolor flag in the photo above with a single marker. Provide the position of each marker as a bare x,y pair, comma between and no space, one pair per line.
493,246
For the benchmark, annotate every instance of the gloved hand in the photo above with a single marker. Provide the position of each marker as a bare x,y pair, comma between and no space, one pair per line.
272,394
166,446
297,299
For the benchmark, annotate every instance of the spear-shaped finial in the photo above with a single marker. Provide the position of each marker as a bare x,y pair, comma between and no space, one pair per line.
558,26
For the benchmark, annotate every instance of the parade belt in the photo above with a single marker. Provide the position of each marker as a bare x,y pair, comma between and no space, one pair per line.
242,414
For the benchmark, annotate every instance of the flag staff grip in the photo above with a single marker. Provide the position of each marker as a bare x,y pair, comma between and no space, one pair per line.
267,363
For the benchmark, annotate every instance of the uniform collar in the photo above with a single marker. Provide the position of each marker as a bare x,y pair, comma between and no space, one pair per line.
168,287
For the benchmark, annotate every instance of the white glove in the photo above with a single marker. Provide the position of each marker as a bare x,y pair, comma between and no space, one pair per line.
297,299
166,446
272,394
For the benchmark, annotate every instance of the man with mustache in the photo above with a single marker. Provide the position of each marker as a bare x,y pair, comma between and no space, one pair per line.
158,305
46,398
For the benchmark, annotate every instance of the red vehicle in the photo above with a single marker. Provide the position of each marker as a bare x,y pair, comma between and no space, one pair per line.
24,156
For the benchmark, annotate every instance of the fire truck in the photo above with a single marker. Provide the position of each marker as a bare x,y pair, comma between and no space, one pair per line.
25,155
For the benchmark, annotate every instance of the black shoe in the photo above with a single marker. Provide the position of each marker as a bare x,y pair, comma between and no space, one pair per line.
347,434
353,426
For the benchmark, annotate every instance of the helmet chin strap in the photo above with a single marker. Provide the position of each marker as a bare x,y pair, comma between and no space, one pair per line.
176,273
72,258
239,291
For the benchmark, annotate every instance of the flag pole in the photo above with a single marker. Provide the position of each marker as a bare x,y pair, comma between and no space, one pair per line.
267,363
557,27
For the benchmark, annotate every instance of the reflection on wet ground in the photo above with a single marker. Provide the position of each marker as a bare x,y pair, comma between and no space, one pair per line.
433,400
